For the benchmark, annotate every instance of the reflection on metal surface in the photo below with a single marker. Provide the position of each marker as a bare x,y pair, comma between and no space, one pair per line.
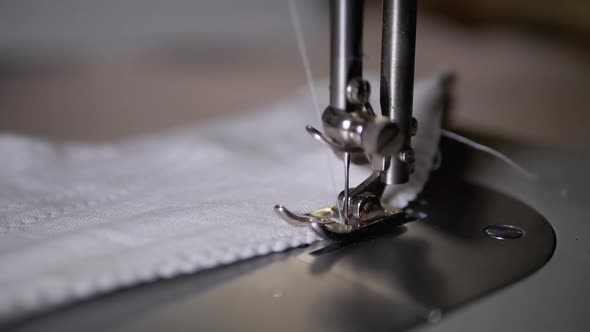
442,259
504,232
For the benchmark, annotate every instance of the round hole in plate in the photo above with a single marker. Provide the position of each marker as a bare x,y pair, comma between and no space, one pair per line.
504,232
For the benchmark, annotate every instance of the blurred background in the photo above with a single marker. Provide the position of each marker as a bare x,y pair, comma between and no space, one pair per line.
99,71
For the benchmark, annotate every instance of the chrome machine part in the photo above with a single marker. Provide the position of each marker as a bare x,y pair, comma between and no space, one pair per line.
364,209
358,91
352,129
346,49
360,130
397,80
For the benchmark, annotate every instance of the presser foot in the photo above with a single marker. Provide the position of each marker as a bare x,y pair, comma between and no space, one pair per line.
359,208
331,224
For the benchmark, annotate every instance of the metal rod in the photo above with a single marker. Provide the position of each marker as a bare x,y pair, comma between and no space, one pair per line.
346,48
397,77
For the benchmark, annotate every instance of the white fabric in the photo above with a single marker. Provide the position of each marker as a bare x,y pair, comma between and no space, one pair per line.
79,220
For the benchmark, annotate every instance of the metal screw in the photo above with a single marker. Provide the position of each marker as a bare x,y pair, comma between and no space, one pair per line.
407,156
358,91
504,232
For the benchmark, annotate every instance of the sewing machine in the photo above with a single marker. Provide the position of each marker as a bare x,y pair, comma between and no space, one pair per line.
387,269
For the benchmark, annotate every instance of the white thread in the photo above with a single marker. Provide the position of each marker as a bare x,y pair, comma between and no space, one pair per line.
511,163
298,30
296,23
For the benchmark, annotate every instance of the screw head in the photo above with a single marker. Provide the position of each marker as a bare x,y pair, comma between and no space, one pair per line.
358,91
407,156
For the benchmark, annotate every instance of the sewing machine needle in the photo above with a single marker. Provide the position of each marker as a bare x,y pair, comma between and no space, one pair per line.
346,186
